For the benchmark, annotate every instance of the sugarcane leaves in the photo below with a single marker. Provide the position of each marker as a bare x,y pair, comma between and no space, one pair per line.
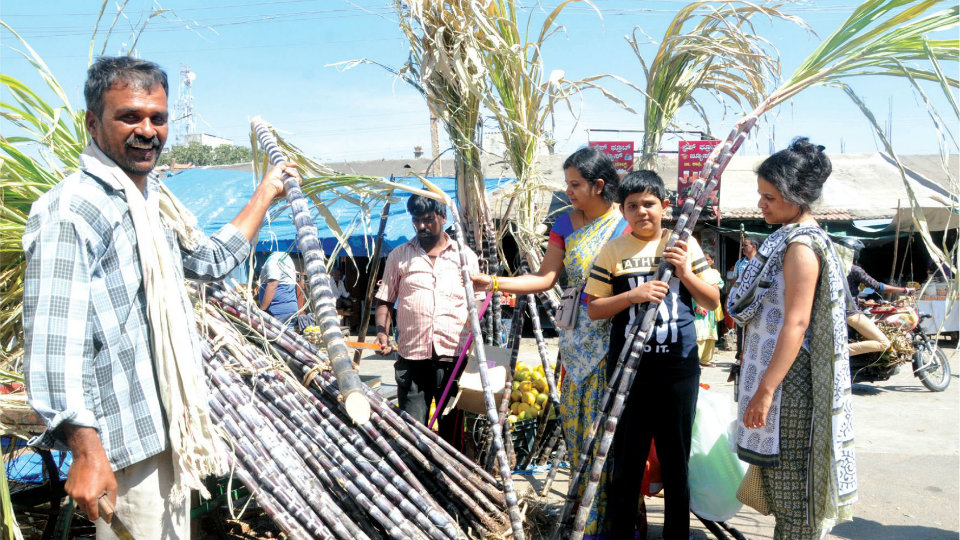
919,219
706,47
875,40
941,78
522,98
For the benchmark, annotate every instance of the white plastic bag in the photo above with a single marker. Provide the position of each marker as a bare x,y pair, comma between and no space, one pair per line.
715,472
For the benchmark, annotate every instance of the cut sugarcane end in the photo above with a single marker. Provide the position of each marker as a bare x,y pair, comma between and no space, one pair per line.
357,407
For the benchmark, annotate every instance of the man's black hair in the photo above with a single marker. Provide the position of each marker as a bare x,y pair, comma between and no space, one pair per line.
418,205
642,181
109,70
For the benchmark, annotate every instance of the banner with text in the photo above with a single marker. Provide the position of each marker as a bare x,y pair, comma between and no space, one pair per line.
690,160
620,151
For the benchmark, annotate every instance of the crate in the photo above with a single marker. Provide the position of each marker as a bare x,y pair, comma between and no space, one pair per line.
477,429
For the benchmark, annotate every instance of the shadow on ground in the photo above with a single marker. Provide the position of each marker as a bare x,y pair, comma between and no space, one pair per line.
865,529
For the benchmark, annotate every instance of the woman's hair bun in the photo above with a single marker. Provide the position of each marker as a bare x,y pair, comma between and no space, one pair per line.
798,172
817,164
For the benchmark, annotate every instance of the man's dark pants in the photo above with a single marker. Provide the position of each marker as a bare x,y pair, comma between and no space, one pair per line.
419,382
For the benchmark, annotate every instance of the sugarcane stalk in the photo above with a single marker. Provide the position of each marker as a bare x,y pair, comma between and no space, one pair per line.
414,488
493,261
240,409
451,468
282,398
514,344
555,434
446,472
692,206
555,466
487,514
273,507
516,519
304,357
373,267
416,431
324,304
550,376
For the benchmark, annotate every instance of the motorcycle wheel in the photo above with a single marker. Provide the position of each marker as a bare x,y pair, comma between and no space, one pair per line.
935,374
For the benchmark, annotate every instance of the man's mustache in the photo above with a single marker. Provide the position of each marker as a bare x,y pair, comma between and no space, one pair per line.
139,141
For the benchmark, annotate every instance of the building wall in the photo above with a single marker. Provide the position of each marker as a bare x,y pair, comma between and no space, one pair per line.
208,140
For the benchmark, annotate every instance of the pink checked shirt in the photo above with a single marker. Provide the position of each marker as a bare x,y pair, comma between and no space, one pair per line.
432,311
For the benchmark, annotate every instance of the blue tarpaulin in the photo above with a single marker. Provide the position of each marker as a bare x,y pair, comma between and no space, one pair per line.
216,196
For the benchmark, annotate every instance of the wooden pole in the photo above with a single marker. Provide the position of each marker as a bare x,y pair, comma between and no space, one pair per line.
896,244
373,266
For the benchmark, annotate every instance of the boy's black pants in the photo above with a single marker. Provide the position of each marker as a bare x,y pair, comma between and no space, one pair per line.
662,409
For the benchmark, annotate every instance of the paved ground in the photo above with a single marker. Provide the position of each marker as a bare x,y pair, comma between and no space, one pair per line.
908,451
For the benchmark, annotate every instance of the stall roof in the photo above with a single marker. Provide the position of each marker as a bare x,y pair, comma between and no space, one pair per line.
216,196
861,187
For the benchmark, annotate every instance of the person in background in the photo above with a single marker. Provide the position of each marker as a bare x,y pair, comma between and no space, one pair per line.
749,250
278,286
621,281
340,291
706,319
871,338
939,271
795,410
106,316
575,240
858,276
423,278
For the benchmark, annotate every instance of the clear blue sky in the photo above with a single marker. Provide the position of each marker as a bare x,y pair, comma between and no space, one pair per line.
273,58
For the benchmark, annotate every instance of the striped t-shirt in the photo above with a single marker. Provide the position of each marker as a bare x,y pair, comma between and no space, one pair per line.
625,263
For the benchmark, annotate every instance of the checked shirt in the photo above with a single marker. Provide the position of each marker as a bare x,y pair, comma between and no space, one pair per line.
88,359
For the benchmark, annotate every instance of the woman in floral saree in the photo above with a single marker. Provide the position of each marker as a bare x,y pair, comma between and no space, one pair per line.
575,240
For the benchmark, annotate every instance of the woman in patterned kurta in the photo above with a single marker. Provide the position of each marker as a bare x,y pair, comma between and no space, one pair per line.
575,240
795,407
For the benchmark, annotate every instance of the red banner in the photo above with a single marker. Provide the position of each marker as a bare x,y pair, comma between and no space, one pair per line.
690,160
620,151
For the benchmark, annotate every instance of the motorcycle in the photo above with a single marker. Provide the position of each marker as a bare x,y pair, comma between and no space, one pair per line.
900,322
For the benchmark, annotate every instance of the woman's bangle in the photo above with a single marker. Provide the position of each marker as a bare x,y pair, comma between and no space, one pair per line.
495,281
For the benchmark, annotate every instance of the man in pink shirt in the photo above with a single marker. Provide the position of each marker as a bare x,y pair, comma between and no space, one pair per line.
423,278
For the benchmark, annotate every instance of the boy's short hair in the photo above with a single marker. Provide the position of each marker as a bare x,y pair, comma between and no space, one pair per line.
642,181
418,205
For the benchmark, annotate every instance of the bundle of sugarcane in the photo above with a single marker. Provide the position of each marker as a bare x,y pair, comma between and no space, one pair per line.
318,474
901,349
555,437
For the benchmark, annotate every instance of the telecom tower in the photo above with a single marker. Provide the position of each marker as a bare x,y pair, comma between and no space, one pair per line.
184,108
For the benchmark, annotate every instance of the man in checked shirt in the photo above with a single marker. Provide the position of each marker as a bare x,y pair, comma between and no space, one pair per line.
423,277
100,252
